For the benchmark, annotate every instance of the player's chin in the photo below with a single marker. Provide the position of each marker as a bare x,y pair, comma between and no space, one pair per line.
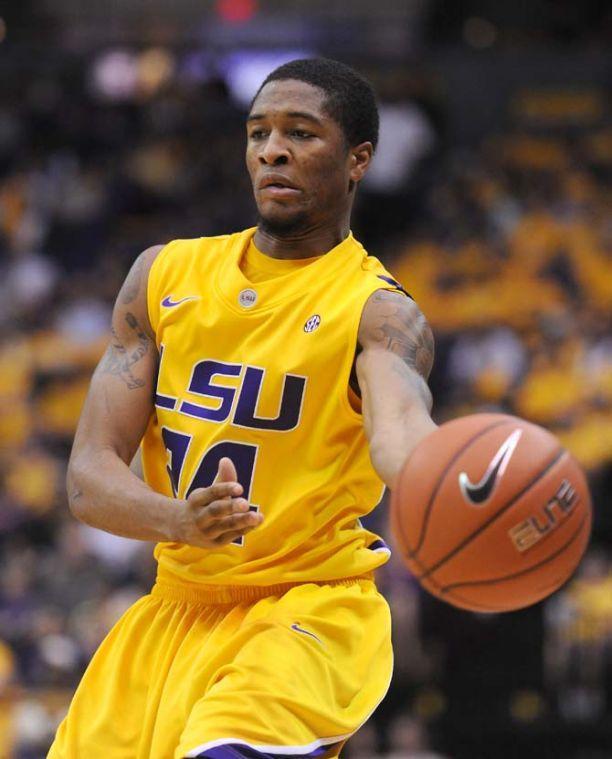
279,204
281,219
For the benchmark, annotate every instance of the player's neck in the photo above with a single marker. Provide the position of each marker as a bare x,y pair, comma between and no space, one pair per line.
303,244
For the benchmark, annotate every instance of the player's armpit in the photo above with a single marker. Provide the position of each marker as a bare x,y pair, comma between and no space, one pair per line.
136,465
395,359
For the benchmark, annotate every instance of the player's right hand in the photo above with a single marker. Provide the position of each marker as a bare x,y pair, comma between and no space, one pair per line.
217,515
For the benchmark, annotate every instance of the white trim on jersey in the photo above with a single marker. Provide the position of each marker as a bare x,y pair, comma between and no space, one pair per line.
282,750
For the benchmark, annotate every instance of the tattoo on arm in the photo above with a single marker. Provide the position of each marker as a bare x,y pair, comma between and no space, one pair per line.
119,361
404,333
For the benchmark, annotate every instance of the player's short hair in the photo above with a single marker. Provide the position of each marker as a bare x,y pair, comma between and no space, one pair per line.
350,98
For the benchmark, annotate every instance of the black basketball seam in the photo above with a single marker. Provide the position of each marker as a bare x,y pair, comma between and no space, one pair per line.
423,569
419,565
413,552
465,604
494,609
558,455
521,572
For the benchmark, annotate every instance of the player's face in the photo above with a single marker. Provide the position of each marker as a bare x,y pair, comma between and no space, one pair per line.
300,165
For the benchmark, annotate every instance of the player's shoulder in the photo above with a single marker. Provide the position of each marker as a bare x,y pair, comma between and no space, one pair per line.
139,272
376,275
149,255
388,307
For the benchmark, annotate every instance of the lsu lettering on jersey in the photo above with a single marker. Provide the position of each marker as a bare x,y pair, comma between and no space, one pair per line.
259,372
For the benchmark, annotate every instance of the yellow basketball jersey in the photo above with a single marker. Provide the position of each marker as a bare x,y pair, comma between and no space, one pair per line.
259,372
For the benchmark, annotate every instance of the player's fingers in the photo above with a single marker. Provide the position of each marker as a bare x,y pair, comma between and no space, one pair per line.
227,471
233,523
223,508
217,491
229,537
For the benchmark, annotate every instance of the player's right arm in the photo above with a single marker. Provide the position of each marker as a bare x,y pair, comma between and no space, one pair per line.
102,490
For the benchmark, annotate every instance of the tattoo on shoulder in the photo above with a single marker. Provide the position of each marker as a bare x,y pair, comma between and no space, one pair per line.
131,286
119,361
404,331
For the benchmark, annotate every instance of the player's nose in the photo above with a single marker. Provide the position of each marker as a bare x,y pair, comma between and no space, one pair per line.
274,151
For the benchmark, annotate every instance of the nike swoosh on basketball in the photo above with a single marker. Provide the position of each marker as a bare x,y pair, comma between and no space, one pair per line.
169,303
477,494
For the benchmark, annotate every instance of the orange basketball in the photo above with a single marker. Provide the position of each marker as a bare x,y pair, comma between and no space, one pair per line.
491,513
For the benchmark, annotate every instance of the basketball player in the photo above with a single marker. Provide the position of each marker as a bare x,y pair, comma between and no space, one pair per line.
276,378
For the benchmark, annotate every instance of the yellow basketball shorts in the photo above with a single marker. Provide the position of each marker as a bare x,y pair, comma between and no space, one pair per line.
283,671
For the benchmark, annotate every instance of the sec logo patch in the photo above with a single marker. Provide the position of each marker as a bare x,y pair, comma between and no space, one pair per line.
312,323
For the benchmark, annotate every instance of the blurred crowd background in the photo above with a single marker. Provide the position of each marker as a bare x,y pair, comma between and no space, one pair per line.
121,126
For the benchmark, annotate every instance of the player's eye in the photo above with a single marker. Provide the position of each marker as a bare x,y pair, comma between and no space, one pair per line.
256,134
300,134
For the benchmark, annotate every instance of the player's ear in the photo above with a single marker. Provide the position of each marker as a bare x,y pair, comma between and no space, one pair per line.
360,159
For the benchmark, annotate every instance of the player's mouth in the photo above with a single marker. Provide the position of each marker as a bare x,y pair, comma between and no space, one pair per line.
278,186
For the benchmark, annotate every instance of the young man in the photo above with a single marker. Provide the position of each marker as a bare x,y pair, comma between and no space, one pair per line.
276,378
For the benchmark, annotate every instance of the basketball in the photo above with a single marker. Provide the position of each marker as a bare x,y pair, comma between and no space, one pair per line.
491,513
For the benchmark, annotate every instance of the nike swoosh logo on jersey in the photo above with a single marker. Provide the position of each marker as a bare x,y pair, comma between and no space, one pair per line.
477,494
167,302
299,629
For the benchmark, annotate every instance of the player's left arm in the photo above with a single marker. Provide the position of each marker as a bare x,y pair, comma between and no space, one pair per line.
395,356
